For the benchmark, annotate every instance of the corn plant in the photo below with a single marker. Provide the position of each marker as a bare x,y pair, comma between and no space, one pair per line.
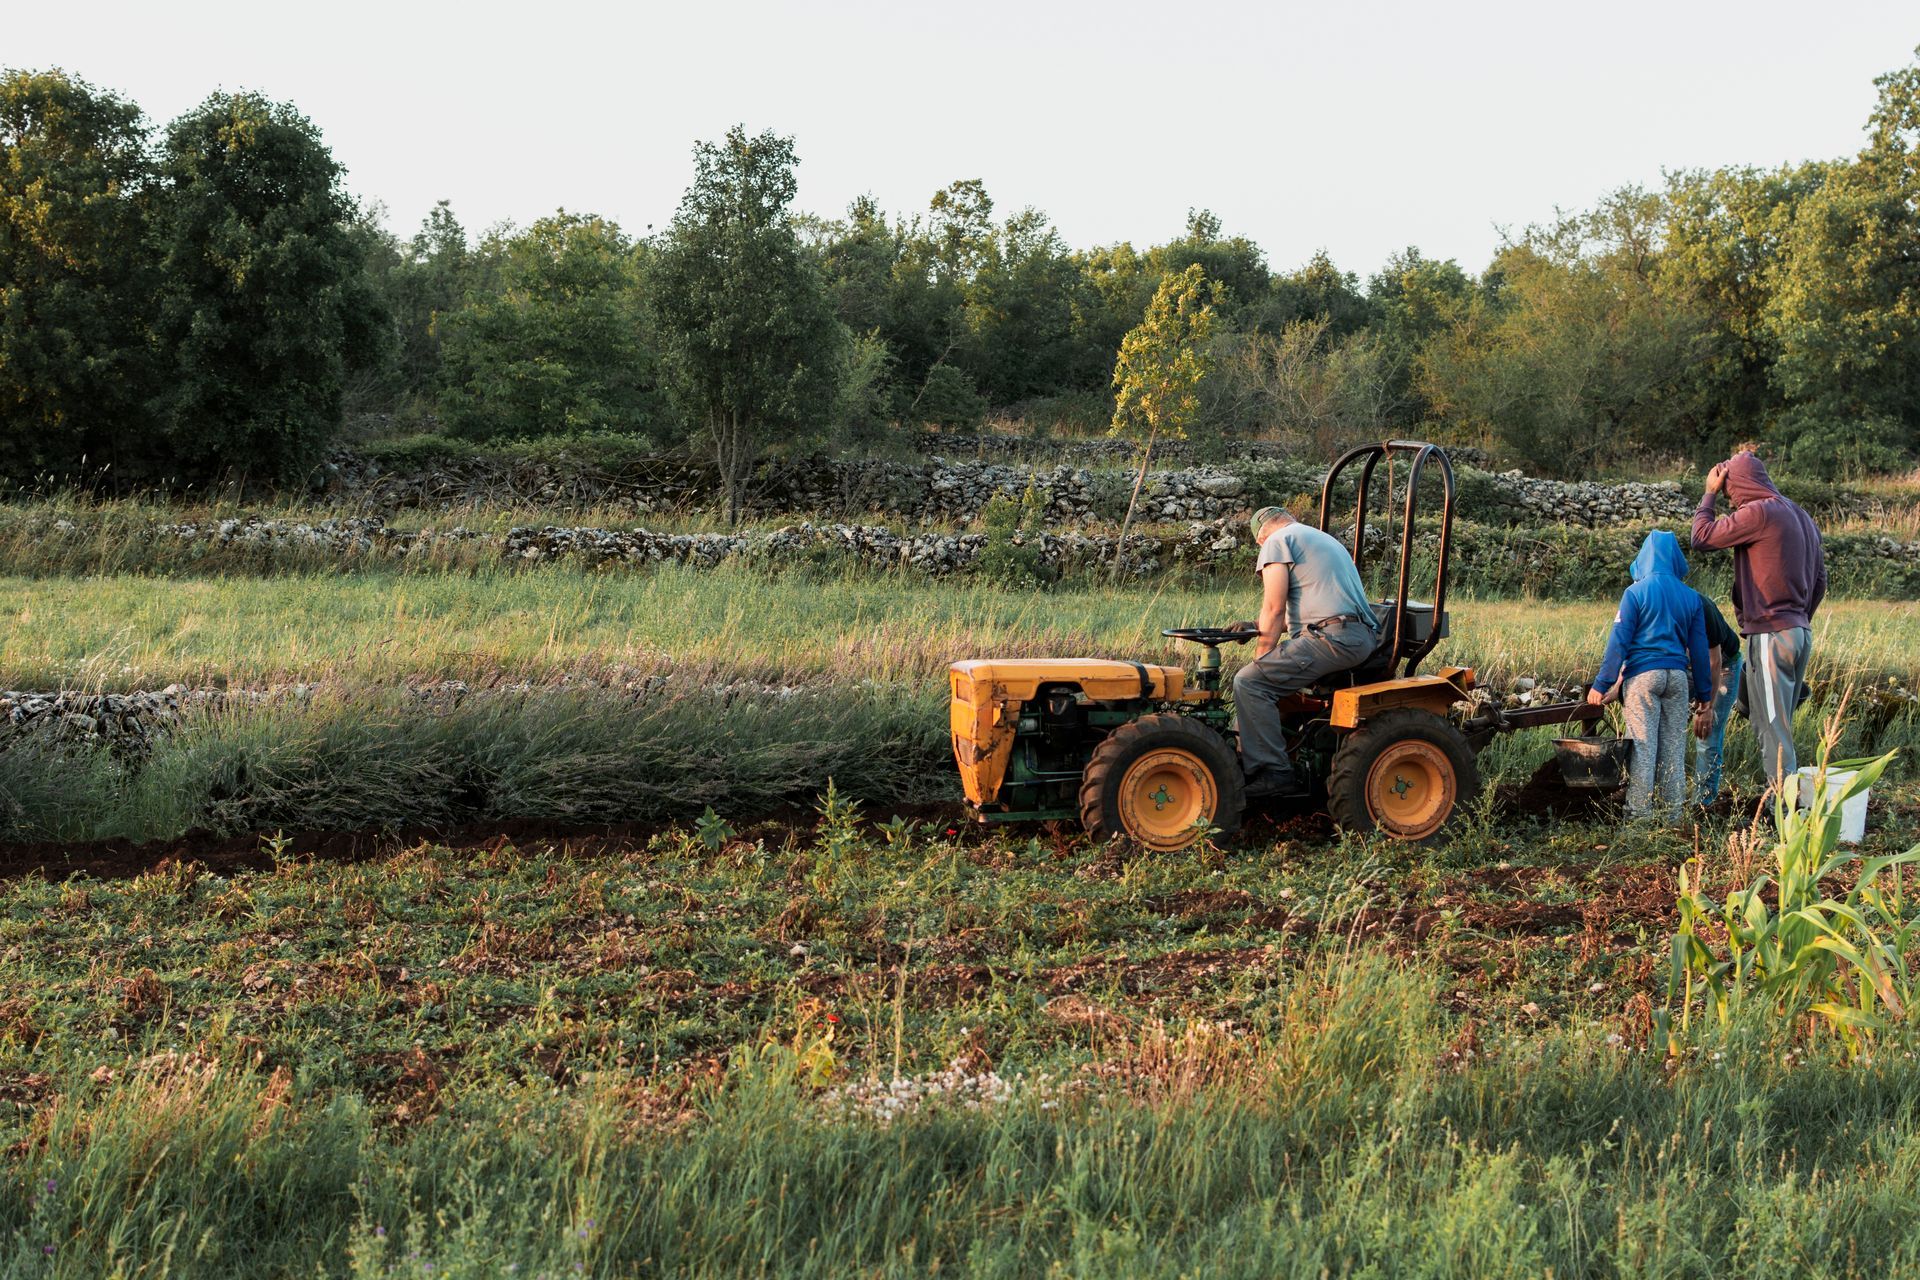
1791,945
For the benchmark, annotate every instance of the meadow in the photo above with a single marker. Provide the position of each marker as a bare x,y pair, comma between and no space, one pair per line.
545,921
133,630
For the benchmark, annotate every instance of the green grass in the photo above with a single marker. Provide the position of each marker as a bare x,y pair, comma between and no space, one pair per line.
1306,1055
1298,1060
128,631
867,656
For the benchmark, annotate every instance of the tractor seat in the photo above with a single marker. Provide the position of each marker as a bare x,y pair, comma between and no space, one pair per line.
1380,663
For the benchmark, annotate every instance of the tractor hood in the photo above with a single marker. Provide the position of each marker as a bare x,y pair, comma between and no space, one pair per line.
1102,679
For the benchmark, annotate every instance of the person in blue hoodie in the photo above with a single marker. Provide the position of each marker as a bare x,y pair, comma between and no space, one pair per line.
1657,664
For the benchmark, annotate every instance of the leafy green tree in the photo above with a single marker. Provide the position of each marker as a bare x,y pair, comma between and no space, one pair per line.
1723,237
746,324
924,324
262,306
1577,353
75,367
1162,364
1021,314
1234,263
947,398
1846,299
1317,291
557,343
961,228
1115,287
428,282
858,258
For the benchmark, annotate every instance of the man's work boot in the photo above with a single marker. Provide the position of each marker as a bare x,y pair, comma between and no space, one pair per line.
1269,786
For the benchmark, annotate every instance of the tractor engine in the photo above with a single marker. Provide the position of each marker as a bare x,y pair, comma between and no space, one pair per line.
1042,738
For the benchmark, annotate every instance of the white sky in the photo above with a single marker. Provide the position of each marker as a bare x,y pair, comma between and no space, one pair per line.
1355,127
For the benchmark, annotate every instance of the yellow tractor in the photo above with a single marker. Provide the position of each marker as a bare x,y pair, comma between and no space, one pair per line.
1148,752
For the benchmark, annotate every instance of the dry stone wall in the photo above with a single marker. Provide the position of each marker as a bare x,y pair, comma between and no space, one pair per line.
941,490
1569,561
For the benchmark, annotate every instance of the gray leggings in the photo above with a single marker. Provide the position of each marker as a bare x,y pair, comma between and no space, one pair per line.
1657,717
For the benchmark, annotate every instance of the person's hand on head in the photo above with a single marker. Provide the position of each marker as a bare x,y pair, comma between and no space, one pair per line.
1717,478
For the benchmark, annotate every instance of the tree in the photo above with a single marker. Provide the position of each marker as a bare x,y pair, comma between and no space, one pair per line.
1724,236
1020,312
858,258
75,368
1845,305
1577,352
427,284
1317,291
746,325
1157,377
262,305
557,343
1234,263
1325,392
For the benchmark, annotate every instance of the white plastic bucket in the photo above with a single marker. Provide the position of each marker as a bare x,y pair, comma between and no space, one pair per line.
1853,814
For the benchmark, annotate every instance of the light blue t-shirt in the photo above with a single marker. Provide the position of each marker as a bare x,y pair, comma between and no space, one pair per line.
1322,581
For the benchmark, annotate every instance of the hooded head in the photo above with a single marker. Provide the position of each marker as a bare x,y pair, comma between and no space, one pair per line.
1747,479
1660,553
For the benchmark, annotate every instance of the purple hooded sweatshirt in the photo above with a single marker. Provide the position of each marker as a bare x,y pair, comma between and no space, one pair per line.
1779,570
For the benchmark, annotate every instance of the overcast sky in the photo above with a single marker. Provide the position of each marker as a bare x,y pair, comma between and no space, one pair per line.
1358,128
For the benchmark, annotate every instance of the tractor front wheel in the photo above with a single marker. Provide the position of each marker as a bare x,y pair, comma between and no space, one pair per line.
1403,773
1163,781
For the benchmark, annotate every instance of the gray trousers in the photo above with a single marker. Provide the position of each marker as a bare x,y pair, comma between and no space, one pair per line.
1776,677
1658,712
1287,667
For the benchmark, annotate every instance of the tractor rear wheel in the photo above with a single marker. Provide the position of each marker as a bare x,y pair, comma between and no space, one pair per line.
1403,773
1162,781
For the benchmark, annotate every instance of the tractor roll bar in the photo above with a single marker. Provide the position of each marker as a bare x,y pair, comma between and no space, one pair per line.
1370,455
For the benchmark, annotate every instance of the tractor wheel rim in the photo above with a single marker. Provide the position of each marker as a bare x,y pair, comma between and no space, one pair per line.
1164,795
1411,789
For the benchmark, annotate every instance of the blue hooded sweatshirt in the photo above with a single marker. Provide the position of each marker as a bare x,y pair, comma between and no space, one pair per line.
1661,625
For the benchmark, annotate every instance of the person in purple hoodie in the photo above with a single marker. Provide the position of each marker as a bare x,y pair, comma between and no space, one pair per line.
1779,579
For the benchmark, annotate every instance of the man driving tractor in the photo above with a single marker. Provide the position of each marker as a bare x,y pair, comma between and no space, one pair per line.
1311,592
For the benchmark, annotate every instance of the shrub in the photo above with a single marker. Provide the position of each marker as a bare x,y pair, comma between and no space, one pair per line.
946,399
1012,555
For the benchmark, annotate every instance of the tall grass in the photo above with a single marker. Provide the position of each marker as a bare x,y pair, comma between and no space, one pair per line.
125,631
393,763
1339,1137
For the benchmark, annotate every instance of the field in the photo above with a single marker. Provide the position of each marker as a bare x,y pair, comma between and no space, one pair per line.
655,943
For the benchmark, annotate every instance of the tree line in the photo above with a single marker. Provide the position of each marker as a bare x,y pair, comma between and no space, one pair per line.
207,300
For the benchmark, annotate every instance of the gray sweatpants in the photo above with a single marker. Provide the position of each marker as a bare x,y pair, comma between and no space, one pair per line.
1287,667
1658,713
1776,676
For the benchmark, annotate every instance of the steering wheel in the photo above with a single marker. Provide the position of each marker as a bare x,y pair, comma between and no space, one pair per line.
1211,637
